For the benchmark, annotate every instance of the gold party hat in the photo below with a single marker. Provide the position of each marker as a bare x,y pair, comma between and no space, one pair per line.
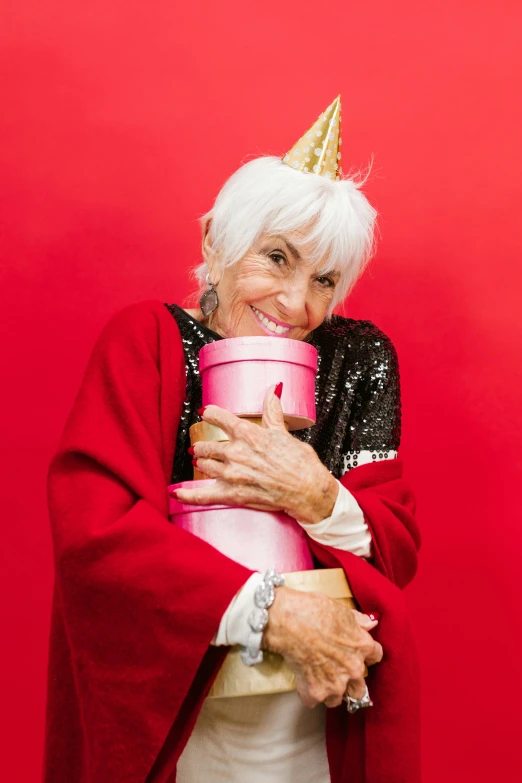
318,150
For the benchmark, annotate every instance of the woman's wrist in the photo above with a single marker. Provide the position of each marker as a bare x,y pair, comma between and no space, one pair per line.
274,630
319,502
286,606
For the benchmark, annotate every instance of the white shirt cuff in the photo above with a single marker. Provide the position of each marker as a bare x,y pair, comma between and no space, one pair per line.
234,627
345,529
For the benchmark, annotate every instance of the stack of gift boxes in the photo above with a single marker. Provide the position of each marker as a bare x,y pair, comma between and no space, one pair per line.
235,374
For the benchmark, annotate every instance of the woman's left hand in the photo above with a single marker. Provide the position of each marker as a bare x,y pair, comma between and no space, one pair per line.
262,467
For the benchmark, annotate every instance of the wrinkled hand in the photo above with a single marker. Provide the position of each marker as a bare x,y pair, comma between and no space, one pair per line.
262,467
324,642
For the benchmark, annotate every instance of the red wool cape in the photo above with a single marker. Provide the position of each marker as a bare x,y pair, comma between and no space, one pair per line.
137,601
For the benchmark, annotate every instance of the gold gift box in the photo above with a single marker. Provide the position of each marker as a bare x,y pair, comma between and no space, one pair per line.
272,675
202,430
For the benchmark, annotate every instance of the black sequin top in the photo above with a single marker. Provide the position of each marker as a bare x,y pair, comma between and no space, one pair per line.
357,393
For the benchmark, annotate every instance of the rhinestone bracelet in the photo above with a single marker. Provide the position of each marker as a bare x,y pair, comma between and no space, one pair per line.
258,618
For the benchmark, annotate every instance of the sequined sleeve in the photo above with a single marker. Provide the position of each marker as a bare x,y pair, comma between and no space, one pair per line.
374,427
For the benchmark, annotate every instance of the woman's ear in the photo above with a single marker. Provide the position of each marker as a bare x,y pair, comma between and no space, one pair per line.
206,244
207,250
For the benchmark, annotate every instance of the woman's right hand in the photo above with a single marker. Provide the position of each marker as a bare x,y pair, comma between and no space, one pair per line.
324,642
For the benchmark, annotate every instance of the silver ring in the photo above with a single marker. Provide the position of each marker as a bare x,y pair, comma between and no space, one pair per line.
352,705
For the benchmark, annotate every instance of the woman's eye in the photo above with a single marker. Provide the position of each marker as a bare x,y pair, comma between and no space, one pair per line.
327,282
279,258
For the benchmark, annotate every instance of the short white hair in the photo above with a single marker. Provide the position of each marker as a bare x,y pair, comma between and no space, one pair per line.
266,196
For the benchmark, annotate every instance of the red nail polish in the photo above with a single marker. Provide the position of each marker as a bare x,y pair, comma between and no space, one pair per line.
201,411
191,450
374,615
173,494
278,390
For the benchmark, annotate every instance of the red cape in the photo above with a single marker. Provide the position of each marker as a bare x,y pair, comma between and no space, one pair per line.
137,601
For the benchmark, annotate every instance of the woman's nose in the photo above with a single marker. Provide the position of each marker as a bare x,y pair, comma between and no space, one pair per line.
292,299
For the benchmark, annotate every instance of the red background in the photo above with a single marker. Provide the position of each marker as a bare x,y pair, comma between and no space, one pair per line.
119,122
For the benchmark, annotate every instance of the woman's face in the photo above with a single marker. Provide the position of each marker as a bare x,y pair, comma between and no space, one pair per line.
273,290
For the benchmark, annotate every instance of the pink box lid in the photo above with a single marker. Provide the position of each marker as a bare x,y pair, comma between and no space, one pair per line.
240,349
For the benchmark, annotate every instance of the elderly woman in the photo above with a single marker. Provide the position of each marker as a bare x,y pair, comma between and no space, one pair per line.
144,612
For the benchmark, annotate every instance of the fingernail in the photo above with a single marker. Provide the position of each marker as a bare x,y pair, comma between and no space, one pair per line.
278,390
201,411
173,493
373,615
194,462
191,450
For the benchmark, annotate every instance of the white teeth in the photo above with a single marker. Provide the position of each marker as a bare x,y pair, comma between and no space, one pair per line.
270,324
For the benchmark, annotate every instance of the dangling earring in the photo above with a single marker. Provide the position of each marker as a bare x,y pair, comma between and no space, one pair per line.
209,301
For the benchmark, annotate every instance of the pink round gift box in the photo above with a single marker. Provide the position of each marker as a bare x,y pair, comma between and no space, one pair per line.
236,373
256,539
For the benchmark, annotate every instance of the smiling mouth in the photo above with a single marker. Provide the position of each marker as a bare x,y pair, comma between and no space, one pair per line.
272,326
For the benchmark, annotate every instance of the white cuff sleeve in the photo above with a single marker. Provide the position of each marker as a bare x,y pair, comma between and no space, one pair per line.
345,528
234,627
